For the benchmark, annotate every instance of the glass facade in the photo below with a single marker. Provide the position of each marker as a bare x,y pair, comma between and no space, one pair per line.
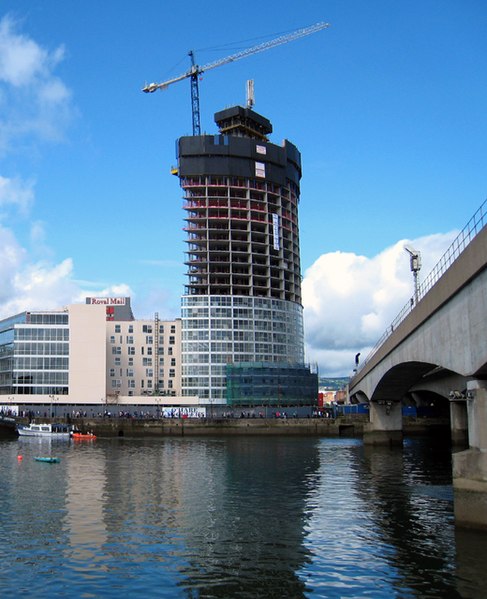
218,330
263,384
34,354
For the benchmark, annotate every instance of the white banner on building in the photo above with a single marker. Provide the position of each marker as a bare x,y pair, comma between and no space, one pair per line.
275,230
260,169
184,412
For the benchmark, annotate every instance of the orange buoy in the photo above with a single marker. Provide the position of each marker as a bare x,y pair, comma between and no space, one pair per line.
20,458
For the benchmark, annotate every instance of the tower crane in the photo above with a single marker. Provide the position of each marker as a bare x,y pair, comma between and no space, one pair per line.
195,70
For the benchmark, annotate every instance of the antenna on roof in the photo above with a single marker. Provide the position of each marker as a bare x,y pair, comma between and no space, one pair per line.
250,93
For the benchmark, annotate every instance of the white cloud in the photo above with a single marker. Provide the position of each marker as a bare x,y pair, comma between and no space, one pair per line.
349,300
35,105
16,192
30,286
33,101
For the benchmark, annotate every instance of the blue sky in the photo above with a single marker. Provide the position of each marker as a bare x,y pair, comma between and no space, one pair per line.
387,106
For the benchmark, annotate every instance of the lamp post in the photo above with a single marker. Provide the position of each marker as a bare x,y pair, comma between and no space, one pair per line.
415,263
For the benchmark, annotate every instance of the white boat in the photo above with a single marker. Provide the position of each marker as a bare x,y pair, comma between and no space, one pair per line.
51,431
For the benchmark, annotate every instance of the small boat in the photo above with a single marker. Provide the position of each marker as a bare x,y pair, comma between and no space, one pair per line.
47,459
51,431
80,436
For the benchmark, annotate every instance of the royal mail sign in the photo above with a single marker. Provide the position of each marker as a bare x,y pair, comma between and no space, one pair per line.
108,301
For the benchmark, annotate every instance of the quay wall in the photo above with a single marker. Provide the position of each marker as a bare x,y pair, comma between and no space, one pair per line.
178,427
346,426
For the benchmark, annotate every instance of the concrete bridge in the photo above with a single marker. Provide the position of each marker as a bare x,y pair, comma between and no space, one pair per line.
436,351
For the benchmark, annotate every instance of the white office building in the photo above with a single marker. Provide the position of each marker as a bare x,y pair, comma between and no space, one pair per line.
95,353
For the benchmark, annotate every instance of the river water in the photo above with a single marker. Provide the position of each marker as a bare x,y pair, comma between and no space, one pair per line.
233,517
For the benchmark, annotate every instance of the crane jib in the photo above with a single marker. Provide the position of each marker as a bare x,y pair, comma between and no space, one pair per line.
195,70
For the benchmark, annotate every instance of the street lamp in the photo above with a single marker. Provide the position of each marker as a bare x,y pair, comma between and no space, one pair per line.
415,263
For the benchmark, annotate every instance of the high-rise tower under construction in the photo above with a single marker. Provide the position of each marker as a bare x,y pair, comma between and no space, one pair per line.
242,302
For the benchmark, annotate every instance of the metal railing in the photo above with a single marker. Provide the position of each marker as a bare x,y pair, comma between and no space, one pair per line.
466,235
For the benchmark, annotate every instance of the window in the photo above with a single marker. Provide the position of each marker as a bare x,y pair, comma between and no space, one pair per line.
149,340
112,338
117,362
149,351
131,328
131,350
118,328
173,328
131,384
112,371
172,372
130,339
146,361
147,328
169,351
131,361
116,350
149,372
116,384
130,372
169,384
172,340
173,361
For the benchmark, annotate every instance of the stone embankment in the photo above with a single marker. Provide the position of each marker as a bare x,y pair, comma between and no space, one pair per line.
131,427
348,426
345,426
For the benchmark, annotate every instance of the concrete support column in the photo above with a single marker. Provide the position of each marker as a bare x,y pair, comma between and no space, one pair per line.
385,426
458,422
470,466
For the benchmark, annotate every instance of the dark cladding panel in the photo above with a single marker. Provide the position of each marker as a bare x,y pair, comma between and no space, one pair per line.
243,115
236,156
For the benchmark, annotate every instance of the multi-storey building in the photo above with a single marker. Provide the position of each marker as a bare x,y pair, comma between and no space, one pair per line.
92,353
143,358
242,302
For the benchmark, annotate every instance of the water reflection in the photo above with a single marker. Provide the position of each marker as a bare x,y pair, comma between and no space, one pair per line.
247,526
234,517
414,519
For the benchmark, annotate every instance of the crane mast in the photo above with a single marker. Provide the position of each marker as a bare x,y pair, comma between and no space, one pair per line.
195,70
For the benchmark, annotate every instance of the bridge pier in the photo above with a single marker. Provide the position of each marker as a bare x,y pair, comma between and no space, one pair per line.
385,425
470,466
458,422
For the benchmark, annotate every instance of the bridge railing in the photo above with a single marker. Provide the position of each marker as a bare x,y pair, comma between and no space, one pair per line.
471,229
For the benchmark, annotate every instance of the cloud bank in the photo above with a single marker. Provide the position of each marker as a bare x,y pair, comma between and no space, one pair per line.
350,300
35,107
35,104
